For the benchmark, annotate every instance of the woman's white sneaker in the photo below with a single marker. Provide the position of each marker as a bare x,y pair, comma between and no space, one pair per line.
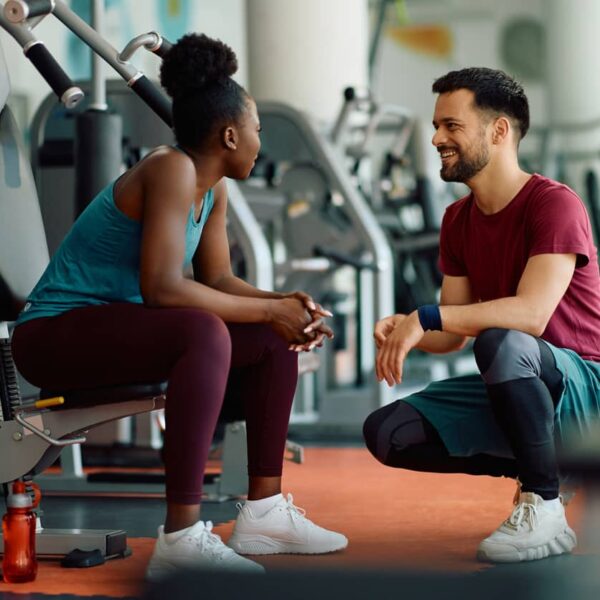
196,547
284,529
532,531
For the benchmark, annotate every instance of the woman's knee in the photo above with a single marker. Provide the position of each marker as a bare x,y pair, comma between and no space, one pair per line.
506,354
261,340
197,329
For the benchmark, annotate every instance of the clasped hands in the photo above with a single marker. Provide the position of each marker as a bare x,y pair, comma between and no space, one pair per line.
395,337
316,330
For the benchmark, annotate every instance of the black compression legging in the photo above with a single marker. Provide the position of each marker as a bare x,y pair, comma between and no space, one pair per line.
128,343
523,386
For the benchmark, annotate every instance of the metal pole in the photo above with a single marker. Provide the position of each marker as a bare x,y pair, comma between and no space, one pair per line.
98,44
98,100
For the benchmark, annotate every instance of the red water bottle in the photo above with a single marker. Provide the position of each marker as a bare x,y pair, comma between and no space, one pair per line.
19,564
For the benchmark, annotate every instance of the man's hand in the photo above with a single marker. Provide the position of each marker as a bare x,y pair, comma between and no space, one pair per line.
394,348
385,326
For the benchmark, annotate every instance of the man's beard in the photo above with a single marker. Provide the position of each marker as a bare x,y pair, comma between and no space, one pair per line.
466,168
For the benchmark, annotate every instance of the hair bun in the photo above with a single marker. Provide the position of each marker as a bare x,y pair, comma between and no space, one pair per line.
195,62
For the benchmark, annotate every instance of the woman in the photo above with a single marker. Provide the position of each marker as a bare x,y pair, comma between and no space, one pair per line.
114,307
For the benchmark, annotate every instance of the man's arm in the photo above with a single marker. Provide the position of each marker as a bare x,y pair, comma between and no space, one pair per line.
544,281
455,291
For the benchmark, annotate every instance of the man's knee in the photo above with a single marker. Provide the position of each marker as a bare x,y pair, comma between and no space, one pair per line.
396,426
372,432
506,354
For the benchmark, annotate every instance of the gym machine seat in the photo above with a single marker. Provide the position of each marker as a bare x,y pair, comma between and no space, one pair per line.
31,433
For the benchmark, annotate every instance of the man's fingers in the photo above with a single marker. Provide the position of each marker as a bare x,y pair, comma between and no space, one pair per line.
389,365
379,338
379,364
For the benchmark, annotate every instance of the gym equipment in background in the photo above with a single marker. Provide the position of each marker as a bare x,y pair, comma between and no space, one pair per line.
323,238
383,148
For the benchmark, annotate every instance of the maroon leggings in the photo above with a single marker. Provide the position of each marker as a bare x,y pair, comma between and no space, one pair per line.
193,350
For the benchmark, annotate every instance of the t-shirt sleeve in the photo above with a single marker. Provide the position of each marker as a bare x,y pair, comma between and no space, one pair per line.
450,260
561,225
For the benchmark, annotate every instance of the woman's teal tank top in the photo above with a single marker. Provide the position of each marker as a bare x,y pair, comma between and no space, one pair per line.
99,260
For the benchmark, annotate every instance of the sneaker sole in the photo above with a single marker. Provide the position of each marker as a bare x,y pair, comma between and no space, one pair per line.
260,545
153,574
563,543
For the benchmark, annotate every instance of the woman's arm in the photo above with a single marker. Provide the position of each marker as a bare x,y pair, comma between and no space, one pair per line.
212,267
169,191
212,262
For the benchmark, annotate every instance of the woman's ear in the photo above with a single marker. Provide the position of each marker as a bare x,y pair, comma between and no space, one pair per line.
229,138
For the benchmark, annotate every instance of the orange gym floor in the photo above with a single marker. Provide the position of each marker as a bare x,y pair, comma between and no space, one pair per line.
395,520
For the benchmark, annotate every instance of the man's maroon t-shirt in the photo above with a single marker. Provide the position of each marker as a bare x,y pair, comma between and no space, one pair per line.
545,217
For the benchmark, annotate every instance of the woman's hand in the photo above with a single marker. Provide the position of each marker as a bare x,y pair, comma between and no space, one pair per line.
392,353
316,329
290,319
320,333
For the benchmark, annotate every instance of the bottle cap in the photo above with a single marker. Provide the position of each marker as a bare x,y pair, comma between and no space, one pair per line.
19,498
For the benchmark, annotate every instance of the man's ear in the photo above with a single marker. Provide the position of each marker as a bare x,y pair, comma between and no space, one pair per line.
229,138
501,130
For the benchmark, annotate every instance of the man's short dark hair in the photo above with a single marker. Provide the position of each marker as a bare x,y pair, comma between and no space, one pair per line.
494,90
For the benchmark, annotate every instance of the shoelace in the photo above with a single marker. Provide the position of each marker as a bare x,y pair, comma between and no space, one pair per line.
523,513
208,540
295,512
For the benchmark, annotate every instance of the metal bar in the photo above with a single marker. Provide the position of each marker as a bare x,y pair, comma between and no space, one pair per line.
86,33
76,440
149,40
376,39
20,31
98,100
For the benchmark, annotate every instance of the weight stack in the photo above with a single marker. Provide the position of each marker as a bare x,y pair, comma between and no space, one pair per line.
98,154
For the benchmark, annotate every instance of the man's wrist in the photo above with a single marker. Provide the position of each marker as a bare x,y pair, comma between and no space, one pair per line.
430,317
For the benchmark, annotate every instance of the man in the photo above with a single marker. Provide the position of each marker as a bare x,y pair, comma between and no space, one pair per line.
521,277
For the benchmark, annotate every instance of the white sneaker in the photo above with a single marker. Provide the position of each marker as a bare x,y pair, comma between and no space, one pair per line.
282,530
532,531
198,547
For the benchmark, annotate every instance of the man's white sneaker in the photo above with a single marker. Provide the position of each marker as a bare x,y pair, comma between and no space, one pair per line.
196,547
282,530
532,531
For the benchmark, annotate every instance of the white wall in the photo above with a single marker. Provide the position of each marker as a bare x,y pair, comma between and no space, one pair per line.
306,52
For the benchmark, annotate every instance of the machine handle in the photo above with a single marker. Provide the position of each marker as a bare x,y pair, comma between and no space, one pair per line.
68,93
42,434
17,11
164,47
343,258
154,98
